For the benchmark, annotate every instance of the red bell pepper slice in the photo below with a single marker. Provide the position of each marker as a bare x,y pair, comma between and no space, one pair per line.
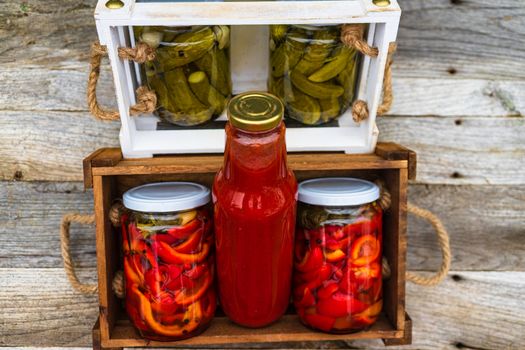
171,256
196,271
315,278
192,243
133,270
313,260
334,255
165,305
305,298
340,305
193,314
182,232
189,296
327,290
209,304
364,250
153,279
321,322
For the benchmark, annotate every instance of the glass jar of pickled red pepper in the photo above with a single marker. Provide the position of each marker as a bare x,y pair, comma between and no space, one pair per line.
190,73
167,240
312,71
338,246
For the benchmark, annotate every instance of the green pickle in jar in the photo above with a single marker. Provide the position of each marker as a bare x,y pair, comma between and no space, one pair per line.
312,71
190,73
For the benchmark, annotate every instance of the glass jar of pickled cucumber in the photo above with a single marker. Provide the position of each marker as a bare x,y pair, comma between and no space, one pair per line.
312,71
167,240
338,244
191,71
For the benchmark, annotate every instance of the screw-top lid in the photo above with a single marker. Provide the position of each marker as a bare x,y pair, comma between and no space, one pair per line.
255,111
337,191
164,197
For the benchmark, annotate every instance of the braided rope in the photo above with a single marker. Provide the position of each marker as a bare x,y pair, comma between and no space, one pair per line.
352,36
444,244
147,100
384,202
115,213
66,254
360,107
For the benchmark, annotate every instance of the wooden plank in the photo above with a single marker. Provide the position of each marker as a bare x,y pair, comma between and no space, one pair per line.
453,151
461,150
478,39
483,222
468,310
223,332
200,164
65,90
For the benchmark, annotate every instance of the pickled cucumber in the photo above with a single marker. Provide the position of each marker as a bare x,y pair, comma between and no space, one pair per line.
334,67
304,108
330,109
276,87
182,98
278,32
222,34
317,90
317,52
348,79
186,48
157,85
206,93
217,67
152,38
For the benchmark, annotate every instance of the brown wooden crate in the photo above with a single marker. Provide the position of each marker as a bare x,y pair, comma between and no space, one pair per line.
111,175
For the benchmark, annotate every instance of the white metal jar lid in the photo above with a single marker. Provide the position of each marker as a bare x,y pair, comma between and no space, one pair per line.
164,197
337,191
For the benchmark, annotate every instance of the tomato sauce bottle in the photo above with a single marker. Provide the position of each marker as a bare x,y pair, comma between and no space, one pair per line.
255,196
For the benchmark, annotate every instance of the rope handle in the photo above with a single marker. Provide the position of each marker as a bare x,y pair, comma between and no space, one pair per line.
147,99
65,245
441,232
352,36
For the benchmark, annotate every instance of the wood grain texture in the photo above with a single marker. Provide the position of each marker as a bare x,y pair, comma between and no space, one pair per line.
479,39
463,150
485,224
64,89
450,316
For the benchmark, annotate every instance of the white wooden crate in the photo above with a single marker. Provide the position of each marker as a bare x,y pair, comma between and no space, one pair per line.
249,53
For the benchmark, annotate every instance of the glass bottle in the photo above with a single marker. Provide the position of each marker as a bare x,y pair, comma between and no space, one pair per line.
254,196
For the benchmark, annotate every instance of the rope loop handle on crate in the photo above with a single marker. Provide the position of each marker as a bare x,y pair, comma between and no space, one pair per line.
352,36
65,245
441,232
147,99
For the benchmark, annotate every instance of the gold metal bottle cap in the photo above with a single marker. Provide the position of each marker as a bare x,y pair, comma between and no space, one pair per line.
255,111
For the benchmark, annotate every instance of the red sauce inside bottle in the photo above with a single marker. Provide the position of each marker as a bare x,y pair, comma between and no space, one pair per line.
255,204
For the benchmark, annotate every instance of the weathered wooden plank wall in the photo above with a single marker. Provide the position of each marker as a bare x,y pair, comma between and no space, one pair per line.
460,103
